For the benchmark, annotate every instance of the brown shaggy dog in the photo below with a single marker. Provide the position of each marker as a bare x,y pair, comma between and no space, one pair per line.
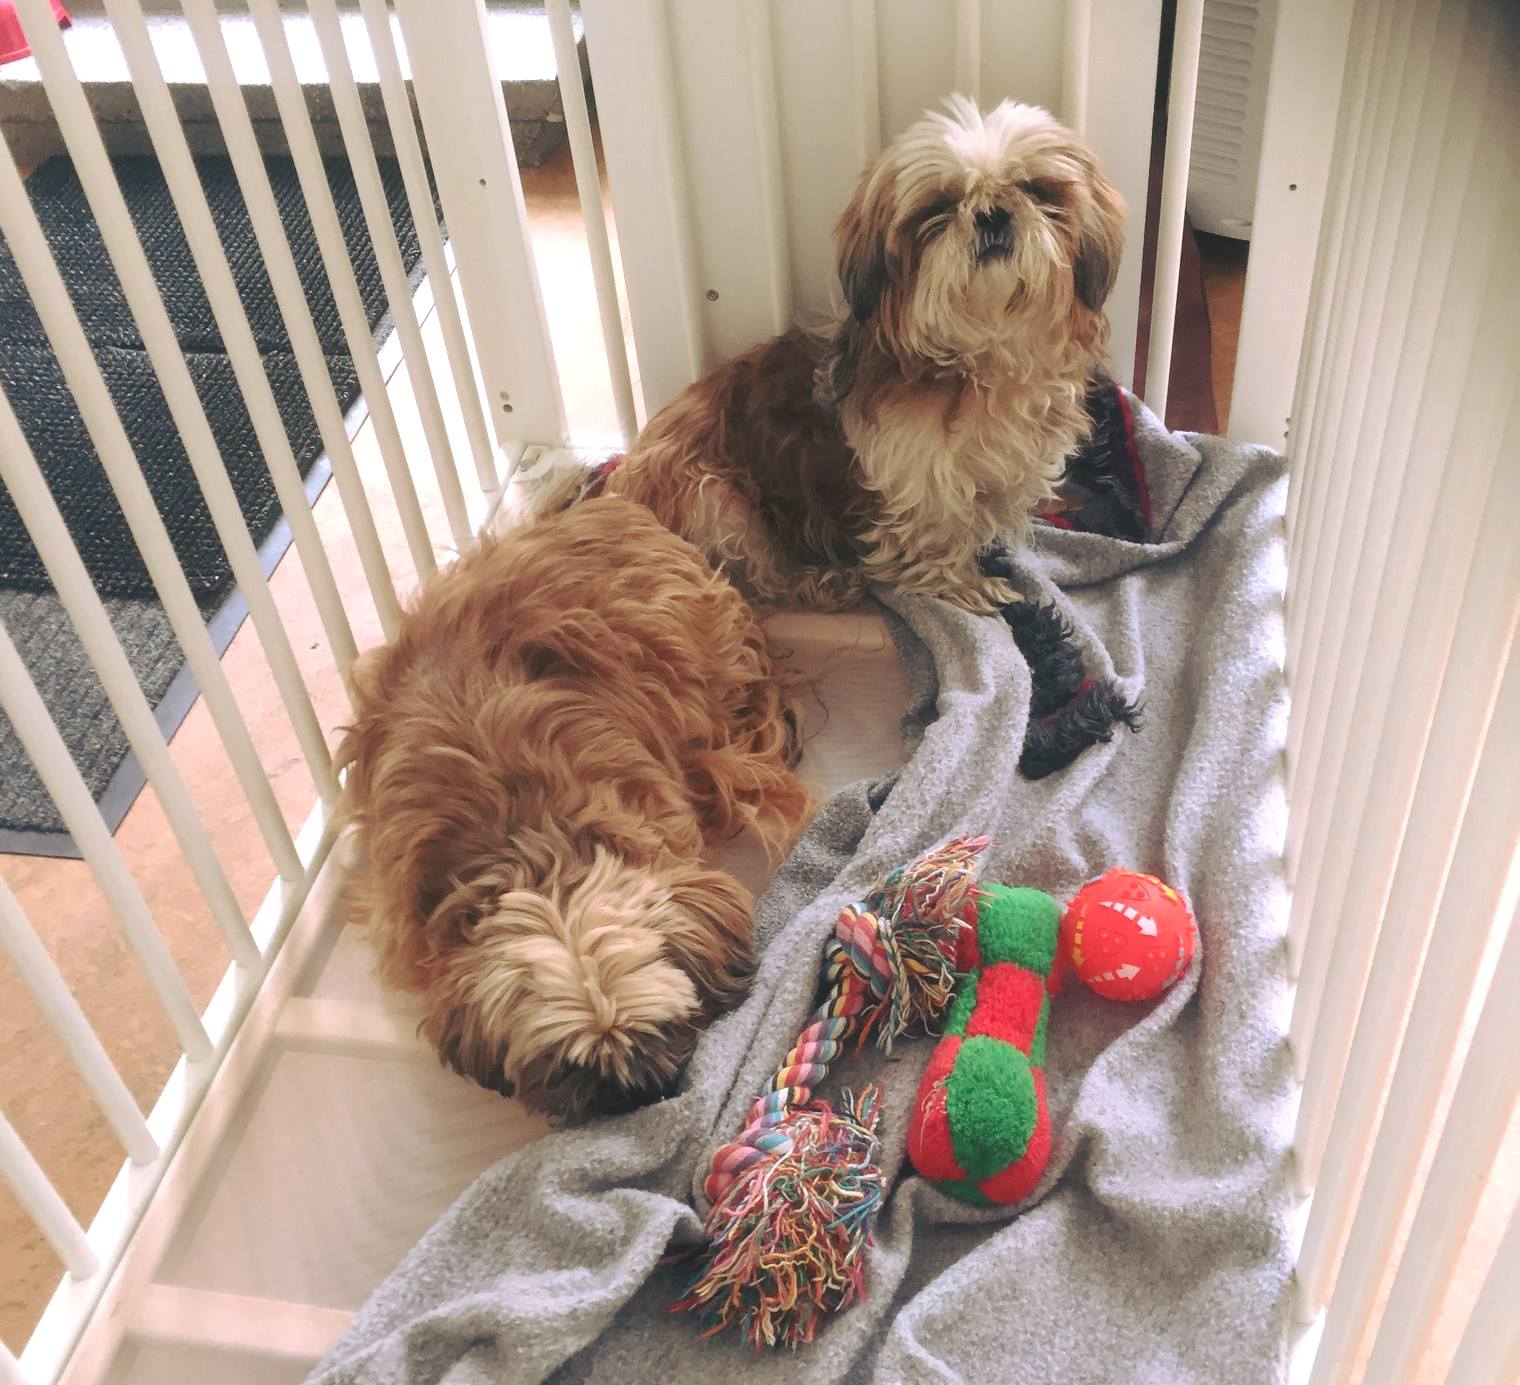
569,715
936,414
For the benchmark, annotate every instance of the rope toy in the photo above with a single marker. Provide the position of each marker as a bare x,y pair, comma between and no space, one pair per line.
793,1196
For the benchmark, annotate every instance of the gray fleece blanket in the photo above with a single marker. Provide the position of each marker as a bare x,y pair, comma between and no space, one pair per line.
1155,1248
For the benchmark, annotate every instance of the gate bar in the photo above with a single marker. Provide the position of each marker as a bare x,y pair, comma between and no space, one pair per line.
40,1201
35,730
588,186
274,249
1187,38
34,502
40,974
189,198
23,233
82,139
382,233
398,113
291,103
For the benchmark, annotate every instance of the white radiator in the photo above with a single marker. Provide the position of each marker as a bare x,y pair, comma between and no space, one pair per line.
1235,54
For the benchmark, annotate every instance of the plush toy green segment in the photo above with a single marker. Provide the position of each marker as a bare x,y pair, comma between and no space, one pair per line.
1037,1048
1019,926
991,1104
962,1006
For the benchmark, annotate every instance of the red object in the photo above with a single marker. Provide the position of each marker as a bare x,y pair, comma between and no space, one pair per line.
1128,936
13,43
929,1132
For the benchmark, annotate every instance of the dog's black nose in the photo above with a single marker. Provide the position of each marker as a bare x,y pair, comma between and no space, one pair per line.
994,234
993,223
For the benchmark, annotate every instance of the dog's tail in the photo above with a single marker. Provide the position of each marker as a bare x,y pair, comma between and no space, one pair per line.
591,1000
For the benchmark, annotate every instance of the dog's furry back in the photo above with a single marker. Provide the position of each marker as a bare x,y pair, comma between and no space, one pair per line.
567,717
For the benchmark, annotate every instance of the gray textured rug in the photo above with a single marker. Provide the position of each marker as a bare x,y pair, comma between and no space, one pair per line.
31,378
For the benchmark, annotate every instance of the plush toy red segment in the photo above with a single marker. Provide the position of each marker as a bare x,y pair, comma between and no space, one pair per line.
929,1135
1009,999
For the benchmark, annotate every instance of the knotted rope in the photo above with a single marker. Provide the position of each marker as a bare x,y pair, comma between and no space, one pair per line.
792,1197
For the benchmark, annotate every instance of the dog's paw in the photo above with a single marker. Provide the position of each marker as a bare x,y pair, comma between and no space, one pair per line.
986,596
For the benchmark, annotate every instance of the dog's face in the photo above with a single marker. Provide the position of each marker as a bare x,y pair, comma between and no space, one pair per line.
588,999
971,229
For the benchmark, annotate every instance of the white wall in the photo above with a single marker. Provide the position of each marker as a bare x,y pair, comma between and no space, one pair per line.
735,131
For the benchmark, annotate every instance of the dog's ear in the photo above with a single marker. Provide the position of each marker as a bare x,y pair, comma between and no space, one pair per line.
709,932
1100,241
860,250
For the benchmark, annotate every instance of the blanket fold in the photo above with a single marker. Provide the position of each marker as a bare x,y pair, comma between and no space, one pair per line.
1155,1248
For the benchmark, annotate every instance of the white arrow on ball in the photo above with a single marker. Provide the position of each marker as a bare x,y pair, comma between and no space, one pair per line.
1129,971
1144,923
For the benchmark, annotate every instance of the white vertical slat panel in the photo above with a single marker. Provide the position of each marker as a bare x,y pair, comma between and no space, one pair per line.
1355,102
459,99
83,140
1489,1352
760,43
1426,756
1480,1111
719,56
916,44
824,132
1075,50
588,186
56,769
189,199
29,492
40,975
269,231
317,193
382,234
40,1201
1304,86
1023,53
28,245
1425,455
1392,330
398,114
968,48
1475,891
865,79
1307,484
632,69
1121,97
1182,93
1359,298
1376,343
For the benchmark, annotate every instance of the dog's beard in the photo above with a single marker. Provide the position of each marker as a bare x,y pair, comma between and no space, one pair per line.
966,304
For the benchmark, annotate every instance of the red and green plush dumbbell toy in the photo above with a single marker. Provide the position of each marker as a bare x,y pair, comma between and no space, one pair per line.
980,1127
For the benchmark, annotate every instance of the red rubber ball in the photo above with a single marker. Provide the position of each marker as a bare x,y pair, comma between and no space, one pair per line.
1128,936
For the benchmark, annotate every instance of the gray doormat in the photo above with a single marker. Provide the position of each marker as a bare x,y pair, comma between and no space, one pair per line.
30,377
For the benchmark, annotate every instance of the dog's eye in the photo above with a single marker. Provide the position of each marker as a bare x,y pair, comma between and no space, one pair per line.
935,217
1047,192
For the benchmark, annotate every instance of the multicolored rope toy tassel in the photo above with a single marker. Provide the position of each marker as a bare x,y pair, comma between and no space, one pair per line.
793,1197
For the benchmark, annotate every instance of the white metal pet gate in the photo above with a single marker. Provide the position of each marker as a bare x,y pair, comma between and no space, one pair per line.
1379,337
